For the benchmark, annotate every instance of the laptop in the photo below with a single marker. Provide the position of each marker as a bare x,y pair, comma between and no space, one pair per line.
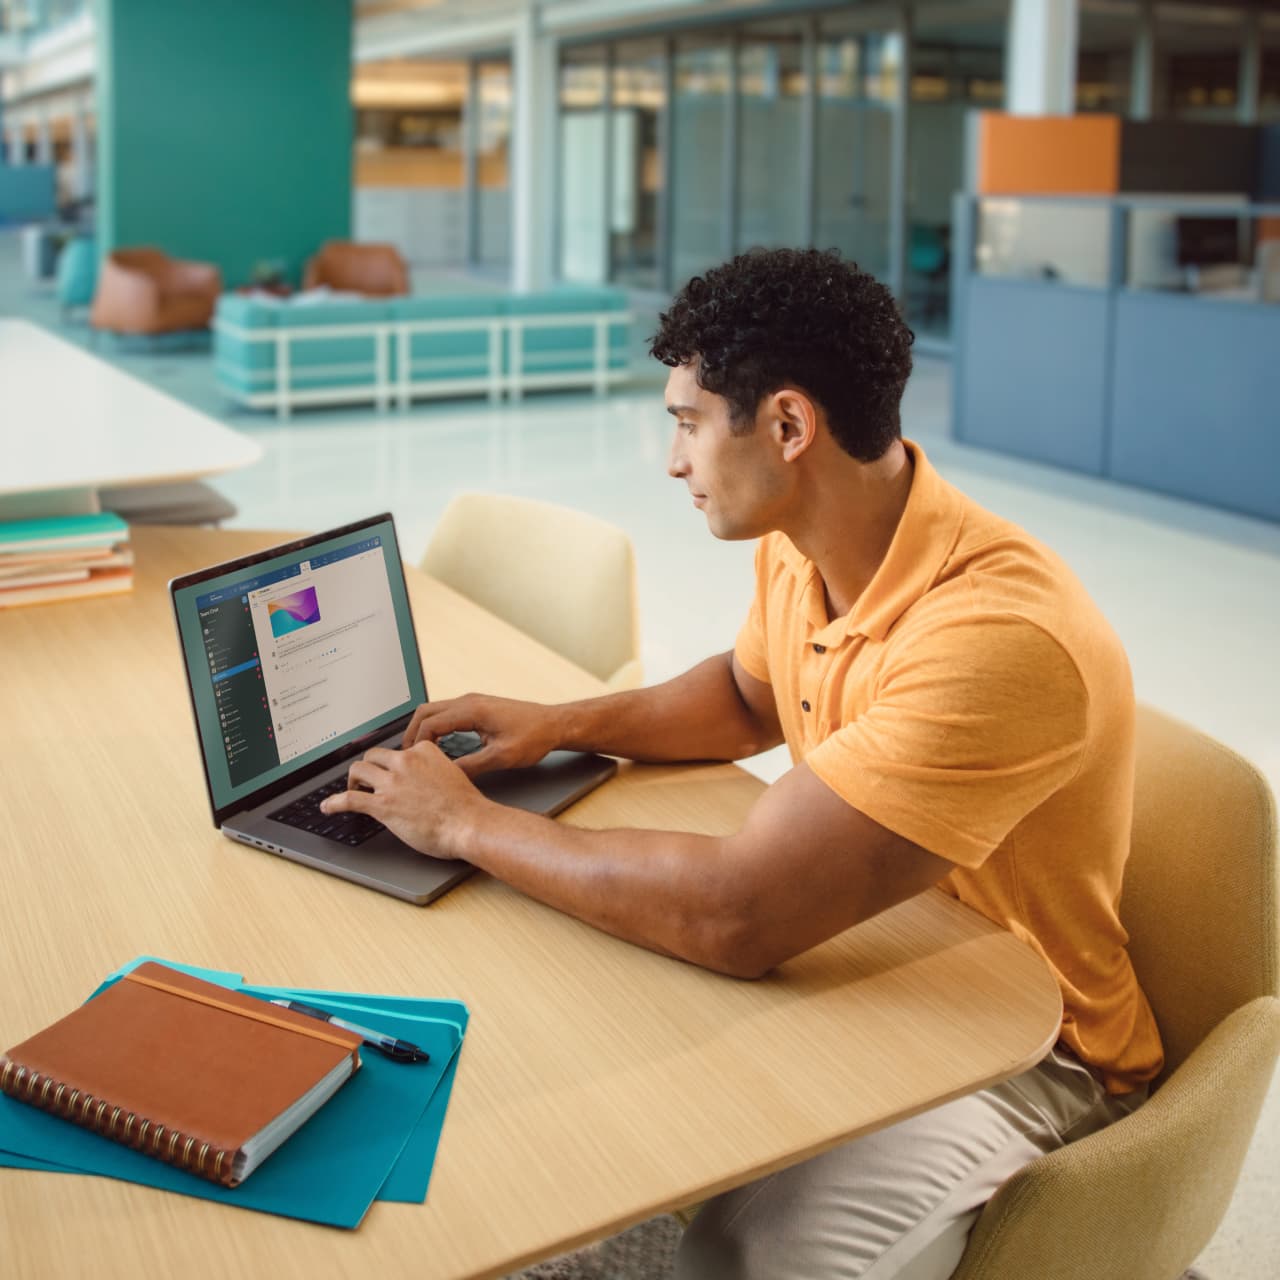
299,659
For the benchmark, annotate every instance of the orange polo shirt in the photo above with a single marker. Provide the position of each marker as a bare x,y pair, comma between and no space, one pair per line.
976,702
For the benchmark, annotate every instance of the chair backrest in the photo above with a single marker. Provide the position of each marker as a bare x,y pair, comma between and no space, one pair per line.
377,270
1141,1198
77,272
1199,898
563,577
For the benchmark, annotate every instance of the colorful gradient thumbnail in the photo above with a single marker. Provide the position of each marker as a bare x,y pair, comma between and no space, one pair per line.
292,613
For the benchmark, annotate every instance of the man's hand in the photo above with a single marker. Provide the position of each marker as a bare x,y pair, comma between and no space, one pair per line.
419,794
515,734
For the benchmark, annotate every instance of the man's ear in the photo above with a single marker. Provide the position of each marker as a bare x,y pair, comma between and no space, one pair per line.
793,421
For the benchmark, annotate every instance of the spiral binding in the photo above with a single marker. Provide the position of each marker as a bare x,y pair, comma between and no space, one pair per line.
22,1084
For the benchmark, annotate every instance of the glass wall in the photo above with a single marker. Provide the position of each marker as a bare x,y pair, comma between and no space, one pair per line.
957,65
857,86
1107,34
409,165
1269,95
584,188
33,17
703,72
492,89
771,147
1198,52
638,118
841,127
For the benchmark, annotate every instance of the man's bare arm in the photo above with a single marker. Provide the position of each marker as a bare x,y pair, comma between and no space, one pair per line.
716,711
804,867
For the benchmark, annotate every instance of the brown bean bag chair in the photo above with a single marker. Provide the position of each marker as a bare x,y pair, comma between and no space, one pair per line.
147,291
376,270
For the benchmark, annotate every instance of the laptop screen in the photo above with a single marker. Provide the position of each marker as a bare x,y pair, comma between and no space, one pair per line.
296,653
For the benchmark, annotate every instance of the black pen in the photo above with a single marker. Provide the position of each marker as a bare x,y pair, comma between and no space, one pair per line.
399,1050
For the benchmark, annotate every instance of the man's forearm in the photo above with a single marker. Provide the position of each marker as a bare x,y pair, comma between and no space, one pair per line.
697,716
663,890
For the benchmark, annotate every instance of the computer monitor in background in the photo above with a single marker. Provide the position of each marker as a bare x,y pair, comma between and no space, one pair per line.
1210,242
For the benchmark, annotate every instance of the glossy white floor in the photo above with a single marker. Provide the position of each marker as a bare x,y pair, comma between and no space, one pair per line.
1193,593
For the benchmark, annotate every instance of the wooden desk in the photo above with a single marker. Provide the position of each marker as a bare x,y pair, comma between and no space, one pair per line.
73,424
599,1083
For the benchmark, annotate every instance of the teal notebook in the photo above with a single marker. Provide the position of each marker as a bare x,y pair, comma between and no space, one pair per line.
61,531
376,1138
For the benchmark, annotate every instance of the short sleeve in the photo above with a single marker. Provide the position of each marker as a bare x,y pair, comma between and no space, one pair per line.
975,725
752,647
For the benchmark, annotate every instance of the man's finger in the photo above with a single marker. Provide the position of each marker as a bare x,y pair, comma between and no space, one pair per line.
382,758
411,730
442,719
351,802
486,760
366,775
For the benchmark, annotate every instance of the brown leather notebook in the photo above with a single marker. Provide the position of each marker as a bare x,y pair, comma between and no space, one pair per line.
204,1078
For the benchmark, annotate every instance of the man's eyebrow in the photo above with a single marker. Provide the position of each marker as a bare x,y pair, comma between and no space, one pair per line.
678,409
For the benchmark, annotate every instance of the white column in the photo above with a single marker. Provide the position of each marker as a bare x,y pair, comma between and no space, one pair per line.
81,161
1142,90
1040,58
44,137
534,77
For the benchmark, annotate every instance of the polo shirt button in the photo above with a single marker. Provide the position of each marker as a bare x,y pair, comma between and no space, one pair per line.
805,704
819,648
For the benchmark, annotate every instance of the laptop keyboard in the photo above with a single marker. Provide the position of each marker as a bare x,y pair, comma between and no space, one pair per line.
355,828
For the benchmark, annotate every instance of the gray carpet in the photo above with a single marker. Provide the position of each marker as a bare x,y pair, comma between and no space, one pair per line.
646,1252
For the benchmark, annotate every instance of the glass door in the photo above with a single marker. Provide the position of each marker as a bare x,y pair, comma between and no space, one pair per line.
859,72
638,106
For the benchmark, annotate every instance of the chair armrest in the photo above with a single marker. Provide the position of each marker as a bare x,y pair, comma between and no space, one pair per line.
1141,1198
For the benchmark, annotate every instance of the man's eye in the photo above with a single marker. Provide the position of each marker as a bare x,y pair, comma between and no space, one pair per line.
685,426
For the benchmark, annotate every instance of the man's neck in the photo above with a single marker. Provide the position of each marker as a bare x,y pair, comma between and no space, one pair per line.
849,518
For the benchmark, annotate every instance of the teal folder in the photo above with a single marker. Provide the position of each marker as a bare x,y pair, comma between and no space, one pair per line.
376,1138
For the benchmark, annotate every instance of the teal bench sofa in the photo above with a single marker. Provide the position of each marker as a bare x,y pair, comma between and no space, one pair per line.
294,354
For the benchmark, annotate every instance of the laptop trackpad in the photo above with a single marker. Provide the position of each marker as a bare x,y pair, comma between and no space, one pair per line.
549,786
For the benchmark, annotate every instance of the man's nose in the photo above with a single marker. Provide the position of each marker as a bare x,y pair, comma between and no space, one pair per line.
677,463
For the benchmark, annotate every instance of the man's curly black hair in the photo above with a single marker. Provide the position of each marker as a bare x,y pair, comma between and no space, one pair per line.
805,318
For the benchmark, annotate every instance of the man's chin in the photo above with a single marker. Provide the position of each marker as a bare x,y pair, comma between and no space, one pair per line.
728,530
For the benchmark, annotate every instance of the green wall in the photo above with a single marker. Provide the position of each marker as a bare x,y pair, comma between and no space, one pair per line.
224,129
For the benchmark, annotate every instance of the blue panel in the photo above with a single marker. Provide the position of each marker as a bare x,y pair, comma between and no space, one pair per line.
1035,377
1196,403
27,192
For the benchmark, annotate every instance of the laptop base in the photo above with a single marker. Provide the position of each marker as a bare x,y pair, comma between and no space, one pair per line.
384,862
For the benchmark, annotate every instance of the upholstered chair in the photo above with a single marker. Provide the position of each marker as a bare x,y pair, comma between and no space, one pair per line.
563,577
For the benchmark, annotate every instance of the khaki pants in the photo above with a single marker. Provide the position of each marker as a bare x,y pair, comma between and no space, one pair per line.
897,1204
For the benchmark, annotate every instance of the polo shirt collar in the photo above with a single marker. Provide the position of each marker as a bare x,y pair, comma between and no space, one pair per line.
922,544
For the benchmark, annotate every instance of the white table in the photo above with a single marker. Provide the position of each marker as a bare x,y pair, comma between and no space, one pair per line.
72,424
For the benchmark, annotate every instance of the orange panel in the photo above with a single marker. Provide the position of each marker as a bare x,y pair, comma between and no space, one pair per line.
1269,228
1048,155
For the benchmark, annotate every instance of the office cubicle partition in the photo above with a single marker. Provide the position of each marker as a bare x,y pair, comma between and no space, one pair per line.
1128,337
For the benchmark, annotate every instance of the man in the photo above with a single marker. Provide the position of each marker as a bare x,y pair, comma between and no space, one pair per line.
958,714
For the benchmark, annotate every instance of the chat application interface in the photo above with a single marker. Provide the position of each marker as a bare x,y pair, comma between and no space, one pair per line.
301,656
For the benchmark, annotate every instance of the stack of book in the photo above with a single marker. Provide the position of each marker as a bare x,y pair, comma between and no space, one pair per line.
63,558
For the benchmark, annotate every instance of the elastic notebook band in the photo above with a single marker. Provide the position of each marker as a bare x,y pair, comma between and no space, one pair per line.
316,1033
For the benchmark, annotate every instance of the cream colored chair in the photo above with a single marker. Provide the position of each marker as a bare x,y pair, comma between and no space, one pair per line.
1141,1199
561,576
